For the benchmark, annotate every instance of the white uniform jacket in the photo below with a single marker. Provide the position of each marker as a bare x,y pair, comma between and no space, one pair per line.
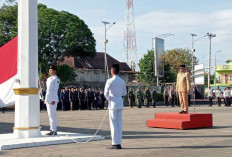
52,83
114,90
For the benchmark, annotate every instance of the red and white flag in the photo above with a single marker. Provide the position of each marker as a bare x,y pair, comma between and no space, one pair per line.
8,71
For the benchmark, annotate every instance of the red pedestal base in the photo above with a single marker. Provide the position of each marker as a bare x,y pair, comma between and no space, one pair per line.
181,121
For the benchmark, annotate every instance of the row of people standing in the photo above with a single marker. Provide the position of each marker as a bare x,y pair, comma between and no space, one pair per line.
78,99
171,97
142,97
225,95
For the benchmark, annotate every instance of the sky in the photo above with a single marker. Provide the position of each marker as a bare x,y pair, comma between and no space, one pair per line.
155,17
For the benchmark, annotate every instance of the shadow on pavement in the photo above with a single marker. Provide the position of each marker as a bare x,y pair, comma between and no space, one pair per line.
185,147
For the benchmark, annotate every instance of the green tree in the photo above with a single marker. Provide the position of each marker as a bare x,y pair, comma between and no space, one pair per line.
66,74
228,61
178,56
146,65
212,77
173,59
60,34
169,74
8,23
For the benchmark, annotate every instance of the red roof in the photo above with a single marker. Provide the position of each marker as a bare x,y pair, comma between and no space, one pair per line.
94,63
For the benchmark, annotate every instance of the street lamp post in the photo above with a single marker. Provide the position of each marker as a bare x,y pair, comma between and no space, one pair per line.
215,78
193,50
105,42
210,35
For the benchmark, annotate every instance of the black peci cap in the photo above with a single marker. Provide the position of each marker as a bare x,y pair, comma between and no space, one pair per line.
53,67
115,66
182,66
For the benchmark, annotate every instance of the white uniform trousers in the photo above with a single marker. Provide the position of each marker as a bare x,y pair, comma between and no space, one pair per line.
116,125
51,109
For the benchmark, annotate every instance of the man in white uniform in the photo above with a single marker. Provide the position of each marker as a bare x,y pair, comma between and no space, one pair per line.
210,96
51,99
227,97
218,95
114,90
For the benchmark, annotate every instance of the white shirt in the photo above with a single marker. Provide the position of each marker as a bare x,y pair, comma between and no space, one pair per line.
218,93
227,93
52,83
115,88
210,93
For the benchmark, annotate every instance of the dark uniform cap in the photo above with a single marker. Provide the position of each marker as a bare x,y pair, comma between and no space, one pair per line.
182,66
53,67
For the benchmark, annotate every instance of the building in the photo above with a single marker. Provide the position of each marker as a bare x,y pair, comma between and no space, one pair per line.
224,75
90,72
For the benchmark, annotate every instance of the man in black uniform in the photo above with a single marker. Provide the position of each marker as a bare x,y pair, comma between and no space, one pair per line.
90,97
64,99
96,99
103,99
3,110
76,98
72,99
131,98
154,95
81,98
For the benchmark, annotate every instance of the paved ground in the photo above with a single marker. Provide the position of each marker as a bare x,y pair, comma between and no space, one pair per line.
138,140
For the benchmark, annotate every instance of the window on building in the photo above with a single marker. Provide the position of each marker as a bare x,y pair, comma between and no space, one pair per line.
230,77
219,78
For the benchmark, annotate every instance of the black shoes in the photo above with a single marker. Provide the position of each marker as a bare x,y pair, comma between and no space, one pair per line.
183,112
115,147
52,133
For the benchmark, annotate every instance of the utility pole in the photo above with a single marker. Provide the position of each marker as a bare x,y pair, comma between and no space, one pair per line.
210,35
105,42
215,78
193,50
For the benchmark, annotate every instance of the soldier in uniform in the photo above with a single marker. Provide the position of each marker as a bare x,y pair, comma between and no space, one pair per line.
51,99
154,97
218,94
139,97
131,98
183,88
147,97
210,96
